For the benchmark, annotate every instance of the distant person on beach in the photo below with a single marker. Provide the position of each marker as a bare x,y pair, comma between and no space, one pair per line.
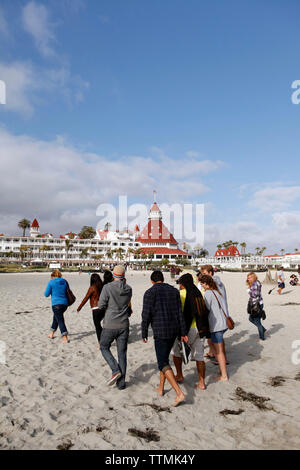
162,310
177,273
281,280
255,305
115,300
196,321
210,271
93,295
57,288
215,304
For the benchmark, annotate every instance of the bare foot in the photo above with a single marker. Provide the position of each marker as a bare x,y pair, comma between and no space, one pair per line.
51,335
179,379
179,399
160,391
201,386
98,348
65,339
221,379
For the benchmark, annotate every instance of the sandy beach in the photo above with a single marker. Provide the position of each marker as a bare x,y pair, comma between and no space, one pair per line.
53,393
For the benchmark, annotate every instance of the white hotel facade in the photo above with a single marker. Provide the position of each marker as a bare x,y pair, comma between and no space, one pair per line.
45,247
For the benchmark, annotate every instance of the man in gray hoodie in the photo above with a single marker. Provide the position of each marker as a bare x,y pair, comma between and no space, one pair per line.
115,300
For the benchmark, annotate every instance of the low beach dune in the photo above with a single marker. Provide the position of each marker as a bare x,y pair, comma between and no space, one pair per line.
55,394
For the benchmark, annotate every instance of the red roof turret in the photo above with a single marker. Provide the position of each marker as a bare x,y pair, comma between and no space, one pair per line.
231,251
35,224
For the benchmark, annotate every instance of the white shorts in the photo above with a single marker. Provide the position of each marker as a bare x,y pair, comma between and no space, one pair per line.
195,343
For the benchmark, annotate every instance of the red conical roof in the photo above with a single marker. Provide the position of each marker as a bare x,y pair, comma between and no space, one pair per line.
35,224
156,232
155,208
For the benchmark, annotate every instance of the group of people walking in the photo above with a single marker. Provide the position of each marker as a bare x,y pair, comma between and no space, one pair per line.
181,320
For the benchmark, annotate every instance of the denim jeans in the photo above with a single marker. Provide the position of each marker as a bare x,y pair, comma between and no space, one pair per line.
163,349
121,337
257,322
58,319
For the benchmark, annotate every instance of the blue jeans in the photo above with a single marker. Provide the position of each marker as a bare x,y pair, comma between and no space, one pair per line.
163,349
217,336
58,319
257,322
107,338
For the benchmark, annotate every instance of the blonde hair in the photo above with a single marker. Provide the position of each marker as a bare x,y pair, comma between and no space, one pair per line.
254,276
56,273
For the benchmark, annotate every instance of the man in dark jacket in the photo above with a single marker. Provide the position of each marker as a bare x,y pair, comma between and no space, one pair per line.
162,310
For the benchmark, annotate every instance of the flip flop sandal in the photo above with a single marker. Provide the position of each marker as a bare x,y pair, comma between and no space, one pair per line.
209,356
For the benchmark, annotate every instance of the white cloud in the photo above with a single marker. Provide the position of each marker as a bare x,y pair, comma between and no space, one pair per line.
287,220
20,81
28,85
36,22
63,186
192,154
275,198
274,235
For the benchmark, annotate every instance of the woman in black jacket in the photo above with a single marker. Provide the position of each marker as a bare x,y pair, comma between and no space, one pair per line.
196,320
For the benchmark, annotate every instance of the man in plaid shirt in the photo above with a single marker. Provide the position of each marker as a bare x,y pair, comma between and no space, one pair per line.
162,310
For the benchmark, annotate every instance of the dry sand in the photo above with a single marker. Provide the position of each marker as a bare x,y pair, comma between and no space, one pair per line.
52,393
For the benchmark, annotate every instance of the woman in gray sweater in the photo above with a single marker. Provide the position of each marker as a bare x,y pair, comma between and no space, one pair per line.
217,312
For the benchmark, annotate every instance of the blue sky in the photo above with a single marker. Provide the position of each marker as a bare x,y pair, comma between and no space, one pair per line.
121,97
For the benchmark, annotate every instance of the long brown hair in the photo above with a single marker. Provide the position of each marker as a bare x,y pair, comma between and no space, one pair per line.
205,279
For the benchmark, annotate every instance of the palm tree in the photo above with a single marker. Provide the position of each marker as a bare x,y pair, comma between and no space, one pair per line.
120,253
109,253
130,252
23,251
282,251
68,245
296,249
107,226
219,246
137,253
257,249
45,248
24,224
243,245
84,253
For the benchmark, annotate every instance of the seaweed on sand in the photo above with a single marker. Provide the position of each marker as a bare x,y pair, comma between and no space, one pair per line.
297,377
231,412
65,445
149,435
255,399
157,408
277,381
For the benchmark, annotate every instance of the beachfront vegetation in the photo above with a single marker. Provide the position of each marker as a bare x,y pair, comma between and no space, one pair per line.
24,224
87,233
